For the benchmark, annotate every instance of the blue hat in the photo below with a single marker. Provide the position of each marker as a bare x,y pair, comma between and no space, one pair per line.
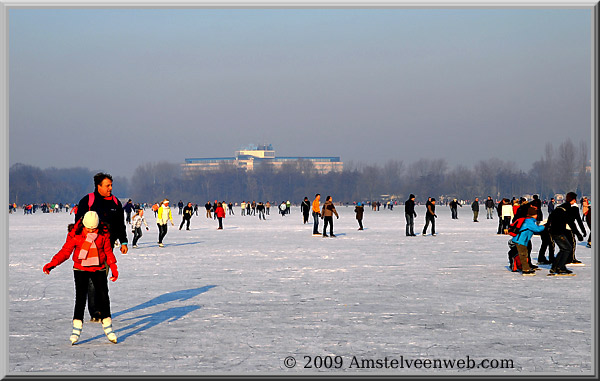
359,204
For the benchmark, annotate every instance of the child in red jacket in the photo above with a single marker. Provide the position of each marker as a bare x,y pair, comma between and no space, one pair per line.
89,242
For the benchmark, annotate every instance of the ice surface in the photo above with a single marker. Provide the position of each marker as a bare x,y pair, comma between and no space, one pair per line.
240,300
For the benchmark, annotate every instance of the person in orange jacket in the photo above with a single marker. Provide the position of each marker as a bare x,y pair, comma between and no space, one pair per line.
89,242
316,213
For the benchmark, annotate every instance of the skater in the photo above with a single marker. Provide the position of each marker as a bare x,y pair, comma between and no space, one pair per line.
454,208
243,205
164,216
588,221
305,207
574,212
260,208
187,216
196,209
430,217
268,206
558,221
220,213
316,213
507,214
410,214
89,242
489,207
359,210
230,207
551,206
110,211
282,209
208,208
523,238
180,205
475,209
136,226
288,207
327,215
155,209
128,208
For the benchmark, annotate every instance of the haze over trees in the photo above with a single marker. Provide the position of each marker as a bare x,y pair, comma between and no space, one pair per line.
561,169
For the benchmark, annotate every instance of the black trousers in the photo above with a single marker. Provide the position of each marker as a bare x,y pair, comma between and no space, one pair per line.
305,216
360,225
220,222
547,243
565,251
185,220
429,218
99,293
137,234
328,220
410,224
162,232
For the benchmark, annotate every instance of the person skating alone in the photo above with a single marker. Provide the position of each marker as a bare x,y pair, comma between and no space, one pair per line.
136,226
220,213
89,242
359,210
305,208
164,216
410,214
475,209
188,210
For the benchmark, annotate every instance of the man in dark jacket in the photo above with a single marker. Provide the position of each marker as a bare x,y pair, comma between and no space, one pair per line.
110,212
410,214
305,207
557,222
454,208
475,209
188,210
489,207
430,216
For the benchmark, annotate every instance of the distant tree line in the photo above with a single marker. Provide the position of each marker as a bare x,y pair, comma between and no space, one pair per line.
558,171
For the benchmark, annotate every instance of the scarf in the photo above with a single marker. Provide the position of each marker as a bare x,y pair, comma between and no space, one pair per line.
89,251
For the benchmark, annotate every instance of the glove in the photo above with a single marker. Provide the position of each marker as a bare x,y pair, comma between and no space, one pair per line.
48,267
114,272
415,214
435,215
337,217
147,228
579,237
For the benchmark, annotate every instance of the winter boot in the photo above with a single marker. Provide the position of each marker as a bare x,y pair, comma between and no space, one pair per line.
77,327
107,326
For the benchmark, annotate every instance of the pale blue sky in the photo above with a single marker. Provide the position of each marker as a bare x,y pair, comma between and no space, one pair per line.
114,89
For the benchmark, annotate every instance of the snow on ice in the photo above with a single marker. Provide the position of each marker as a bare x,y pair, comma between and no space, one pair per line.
244,300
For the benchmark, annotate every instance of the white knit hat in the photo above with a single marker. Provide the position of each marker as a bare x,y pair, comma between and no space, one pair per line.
91,220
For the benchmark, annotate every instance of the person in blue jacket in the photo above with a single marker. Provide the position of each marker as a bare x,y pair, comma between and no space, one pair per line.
528,228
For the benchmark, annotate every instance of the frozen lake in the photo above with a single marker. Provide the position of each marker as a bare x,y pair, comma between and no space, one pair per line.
242,300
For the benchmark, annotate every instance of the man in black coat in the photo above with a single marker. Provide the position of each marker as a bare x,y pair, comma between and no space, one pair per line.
110,212
410,214
489,207
305,207
557,222
475,209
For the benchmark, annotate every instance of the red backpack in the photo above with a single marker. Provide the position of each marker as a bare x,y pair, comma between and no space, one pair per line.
515,227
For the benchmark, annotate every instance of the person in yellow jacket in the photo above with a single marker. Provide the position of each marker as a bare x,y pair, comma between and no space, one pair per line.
316,213
164,216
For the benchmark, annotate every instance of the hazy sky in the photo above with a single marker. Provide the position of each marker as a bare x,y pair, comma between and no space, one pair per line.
114,89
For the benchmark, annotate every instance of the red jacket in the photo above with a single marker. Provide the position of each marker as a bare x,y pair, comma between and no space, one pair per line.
73,246
220,211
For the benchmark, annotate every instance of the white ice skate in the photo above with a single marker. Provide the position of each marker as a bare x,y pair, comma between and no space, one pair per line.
107,326
77,327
